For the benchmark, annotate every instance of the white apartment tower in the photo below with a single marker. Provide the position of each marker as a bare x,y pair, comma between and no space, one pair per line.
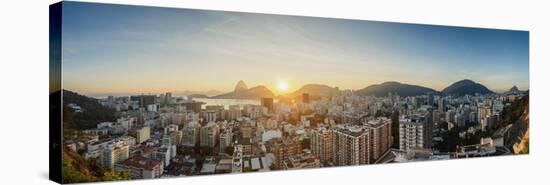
209,135
412,135
143,134
190,134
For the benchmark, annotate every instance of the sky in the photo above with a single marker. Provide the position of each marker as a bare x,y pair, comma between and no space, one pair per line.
113,49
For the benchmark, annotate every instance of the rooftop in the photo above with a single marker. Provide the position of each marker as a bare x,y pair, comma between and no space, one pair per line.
353,130
138,161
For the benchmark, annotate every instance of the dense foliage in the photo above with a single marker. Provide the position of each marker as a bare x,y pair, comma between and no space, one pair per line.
76,169
513,112
92,111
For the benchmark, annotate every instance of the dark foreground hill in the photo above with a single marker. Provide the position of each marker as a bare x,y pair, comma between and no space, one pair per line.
92,112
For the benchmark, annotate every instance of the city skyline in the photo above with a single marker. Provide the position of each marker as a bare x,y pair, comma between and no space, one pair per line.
148,92
136,50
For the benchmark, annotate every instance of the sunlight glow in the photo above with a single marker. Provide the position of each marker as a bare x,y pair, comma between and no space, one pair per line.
283,86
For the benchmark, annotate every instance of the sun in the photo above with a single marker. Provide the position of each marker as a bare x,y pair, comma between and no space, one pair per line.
283,86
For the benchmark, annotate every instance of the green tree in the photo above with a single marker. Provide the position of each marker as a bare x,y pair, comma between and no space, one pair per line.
70,175
525,144
114,176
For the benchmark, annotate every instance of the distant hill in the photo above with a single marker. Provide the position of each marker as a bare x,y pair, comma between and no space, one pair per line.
92,112
513,90
197,96
395,88
242,92
315,90
464,87
206,93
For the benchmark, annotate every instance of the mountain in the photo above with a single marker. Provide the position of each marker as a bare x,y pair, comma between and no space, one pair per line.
242,92
513,90
315,90
464,87
395,88
241,86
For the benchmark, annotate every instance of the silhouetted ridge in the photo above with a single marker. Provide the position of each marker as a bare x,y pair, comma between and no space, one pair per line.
464,87
395,88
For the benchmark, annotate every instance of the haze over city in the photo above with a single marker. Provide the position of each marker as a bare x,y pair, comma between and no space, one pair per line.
149,50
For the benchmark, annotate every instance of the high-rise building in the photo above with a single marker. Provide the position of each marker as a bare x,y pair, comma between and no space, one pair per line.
145,100
380,138
351,145
247,132
305,98
210,116
395,128
209,135
234,112
450,116
127,122
436,117
430,99
168,97
473,116
483,112
390,97
193,106
218,109
414,134
321,144
114,153
237,158
282,149
441,105
175,137
268,103
226,139
143,134
253,111
191,134
427,119
163,154
152,107
460,120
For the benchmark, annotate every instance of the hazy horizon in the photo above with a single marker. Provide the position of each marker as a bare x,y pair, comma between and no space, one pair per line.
210,92
140,50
